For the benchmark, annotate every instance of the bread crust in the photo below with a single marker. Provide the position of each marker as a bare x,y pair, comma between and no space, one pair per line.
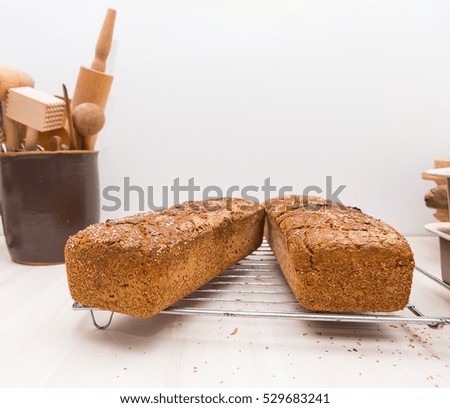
338,259
141,264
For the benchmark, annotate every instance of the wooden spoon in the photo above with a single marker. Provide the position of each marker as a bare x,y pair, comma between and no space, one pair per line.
88,119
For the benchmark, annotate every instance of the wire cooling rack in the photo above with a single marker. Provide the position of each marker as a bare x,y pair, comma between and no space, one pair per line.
255,287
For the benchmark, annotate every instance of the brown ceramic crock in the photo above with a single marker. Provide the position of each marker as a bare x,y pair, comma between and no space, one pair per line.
44,198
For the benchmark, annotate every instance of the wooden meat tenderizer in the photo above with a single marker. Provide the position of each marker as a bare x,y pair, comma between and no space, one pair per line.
11,78
39,111
93,85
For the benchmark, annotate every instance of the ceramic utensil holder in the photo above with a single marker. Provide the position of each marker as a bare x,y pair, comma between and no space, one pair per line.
44,198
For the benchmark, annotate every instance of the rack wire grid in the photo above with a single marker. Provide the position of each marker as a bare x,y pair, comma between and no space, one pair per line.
256,287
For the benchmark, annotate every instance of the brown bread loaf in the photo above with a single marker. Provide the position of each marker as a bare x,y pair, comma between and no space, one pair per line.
437,197
140,265
338,259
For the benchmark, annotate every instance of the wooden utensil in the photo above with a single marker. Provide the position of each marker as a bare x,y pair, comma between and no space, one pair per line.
93,85
11,78
73,138
55,143
44,138
39,111
88,119
104,42
31,138
35,108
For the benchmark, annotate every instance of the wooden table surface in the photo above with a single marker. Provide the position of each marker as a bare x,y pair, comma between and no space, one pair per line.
44,343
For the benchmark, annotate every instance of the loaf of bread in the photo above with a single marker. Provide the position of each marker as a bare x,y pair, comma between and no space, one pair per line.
338,259
139,265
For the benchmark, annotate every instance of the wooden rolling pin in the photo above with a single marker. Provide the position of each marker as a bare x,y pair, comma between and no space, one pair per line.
11,78
93,85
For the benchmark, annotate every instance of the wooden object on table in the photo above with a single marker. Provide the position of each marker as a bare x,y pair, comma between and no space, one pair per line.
441,215
433,198
11,78
88,119
93,85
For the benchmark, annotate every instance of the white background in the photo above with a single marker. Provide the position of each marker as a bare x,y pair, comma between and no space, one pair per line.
233,92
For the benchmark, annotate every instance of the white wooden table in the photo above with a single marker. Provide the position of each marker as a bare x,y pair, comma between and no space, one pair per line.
43,343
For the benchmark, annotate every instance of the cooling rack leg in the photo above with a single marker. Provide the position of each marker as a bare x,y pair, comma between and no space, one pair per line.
98,326
417,312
